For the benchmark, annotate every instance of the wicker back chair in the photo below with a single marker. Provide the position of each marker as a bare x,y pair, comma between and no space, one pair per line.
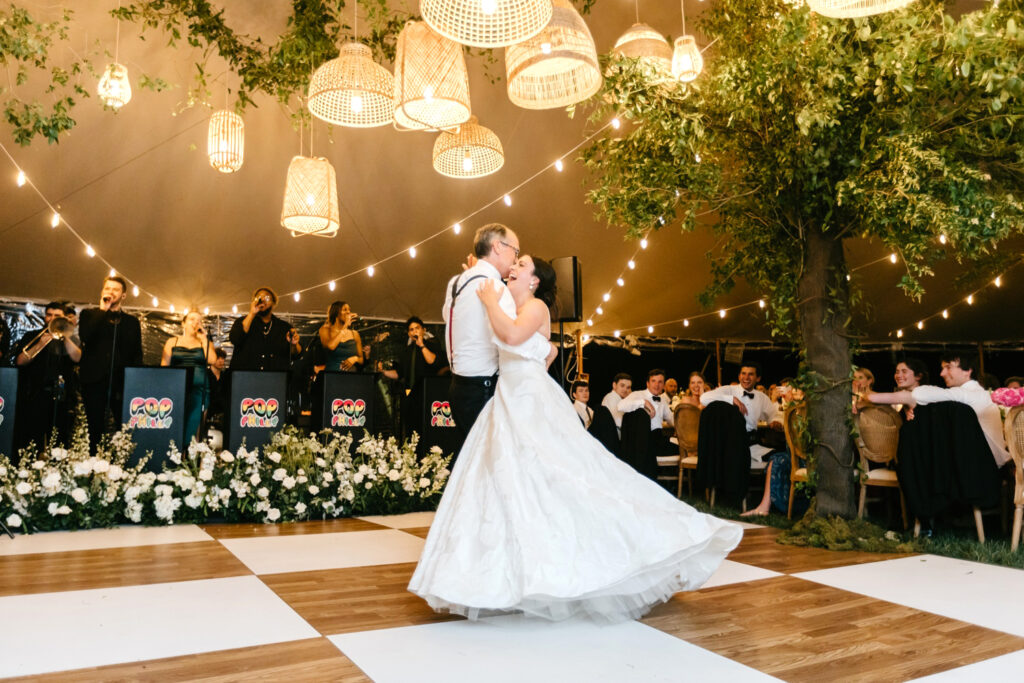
687,419
1014,430
797,473
878,438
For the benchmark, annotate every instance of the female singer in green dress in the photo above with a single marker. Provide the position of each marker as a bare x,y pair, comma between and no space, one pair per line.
342,345
192,350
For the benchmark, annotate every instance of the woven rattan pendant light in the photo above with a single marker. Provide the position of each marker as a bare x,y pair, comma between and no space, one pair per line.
431,82
311,198
352,90
225,141
687,62
650,47
115,90
487,23
470,152
845,9
557,67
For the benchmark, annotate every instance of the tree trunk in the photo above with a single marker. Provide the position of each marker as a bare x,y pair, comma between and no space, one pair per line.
823,326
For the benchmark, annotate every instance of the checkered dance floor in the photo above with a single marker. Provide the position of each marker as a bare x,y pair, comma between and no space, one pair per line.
326,601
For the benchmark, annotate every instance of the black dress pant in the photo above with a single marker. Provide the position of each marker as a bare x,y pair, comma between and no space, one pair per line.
95,402
468,396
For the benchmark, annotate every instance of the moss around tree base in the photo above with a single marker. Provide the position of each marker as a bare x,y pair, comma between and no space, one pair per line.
836,533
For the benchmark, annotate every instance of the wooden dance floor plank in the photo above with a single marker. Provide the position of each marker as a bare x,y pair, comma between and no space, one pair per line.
110,567
316,659
330,526
418,531
792,629
337,601
759,548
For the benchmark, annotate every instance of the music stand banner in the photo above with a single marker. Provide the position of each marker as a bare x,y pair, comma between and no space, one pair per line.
8,409
257,407
348,402
438,422
154,409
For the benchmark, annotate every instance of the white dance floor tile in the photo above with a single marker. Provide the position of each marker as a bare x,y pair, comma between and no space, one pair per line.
735,572
1006,669
977,593
95,539
410,520
76,629
516,649
311,552
748,525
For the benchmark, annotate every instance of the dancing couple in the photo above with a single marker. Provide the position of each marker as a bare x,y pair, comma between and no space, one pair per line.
537,516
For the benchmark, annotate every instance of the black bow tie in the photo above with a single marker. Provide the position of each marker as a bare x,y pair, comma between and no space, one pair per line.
656,398
748,394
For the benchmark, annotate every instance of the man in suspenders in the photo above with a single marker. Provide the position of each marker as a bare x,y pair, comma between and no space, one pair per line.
468,334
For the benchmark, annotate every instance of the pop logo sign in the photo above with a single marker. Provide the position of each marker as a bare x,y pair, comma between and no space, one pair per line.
259,413
441,414
1,410
348,413
150,413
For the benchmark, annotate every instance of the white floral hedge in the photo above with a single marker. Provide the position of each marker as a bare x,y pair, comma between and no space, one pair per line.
294,477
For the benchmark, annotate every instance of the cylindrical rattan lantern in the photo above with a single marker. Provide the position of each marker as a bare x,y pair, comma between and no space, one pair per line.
225,141
352,90
687,62
471,152
846,9
311,198
557,67
487,23
431,82
644,43
115,90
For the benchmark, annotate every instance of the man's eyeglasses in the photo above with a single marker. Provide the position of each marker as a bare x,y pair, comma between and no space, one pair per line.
510,247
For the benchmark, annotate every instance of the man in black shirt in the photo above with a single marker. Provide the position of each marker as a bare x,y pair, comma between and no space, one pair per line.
261,340
424,357
48,380
111,341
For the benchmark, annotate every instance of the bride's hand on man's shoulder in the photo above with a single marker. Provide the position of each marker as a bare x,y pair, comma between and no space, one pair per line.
488,292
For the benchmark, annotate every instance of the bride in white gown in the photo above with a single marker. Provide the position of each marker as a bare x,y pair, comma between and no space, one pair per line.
538,517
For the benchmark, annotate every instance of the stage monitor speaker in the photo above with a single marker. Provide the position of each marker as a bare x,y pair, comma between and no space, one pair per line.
569,301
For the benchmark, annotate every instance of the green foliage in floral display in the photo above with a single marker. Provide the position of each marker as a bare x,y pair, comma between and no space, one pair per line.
296,476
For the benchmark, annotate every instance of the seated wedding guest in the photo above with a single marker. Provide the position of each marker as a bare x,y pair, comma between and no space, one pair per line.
261,340
192,349
622,384
48,378
863,380
580,396
958,372
755,407
1014,382
111,341
695,387
671,389
424,356
651,400
910,373
342,345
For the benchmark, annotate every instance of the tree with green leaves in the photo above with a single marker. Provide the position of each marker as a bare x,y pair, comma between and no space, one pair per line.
805,132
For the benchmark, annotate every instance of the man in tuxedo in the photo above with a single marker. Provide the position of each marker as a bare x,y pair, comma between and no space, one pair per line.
754,405
468,335
111,341
654,402
424,357
622,384
580,397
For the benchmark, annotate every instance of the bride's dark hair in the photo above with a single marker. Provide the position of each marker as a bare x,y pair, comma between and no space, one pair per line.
547,288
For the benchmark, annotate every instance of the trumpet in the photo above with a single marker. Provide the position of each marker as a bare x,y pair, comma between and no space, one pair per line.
58,328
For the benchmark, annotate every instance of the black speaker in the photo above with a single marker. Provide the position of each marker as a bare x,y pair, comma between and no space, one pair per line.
568,306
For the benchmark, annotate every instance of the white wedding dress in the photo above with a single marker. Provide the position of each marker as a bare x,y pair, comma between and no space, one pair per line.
539,518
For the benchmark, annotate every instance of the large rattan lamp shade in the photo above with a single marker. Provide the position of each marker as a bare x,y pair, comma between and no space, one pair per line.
846,9
650,47
225,141
470,152
556,68
687,62
487,23
352,90
311,198
431,82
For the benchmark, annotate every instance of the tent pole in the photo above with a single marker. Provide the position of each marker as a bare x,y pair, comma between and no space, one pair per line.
718,359
981,359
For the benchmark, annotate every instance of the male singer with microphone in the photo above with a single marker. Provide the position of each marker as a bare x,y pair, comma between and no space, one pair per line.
111,341
263,341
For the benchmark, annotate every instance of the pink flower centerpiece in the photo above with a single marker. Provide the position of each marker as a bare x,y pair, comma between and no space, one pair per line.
1008,397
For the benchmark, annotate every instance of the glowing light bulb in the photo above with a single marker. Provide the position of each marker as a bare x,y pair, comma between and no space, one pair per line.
650,329
112,272
185,312
234,308
643,243
632,264
599,310
606,296
488,6
970,299
696,157
156,302
428,92
661,220
590,322
310,200
686,323
616,123
892,258
412,252
998,282
721,313
467,162
847,277
22,179
945,314
171,308
586,337
331,285
507,200
559,165
620,282
920,324
370,271
135,290
761,303
55,220
206,310
616,334
89,250
457,228
545,48
899,334
356,104
942,238
295,296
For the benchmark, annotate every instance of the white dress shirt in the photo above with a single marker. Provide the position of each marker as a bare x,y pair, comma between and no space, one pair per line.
662,411
471,348
611,402
760,408
585,413
978,398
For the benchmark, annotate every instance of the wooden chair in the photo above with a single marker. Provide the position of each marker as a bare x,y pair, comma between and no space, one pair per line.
1014,430
878,437
687,419
791,421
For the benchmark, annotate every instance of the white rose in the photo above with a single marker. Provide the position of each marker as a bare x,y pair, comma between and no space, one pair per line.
424,483
358,477
300,508
394,475
52,509
320,462
279,474
51,481
58,453
369,484
79,495
206,475
100,465
226,456
288,482
38,465
254,479
314,489
273,514
302,479
63,510
23,474
328,477
274,457
115,473
3,471
263,492
23,488
82,468
13,520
